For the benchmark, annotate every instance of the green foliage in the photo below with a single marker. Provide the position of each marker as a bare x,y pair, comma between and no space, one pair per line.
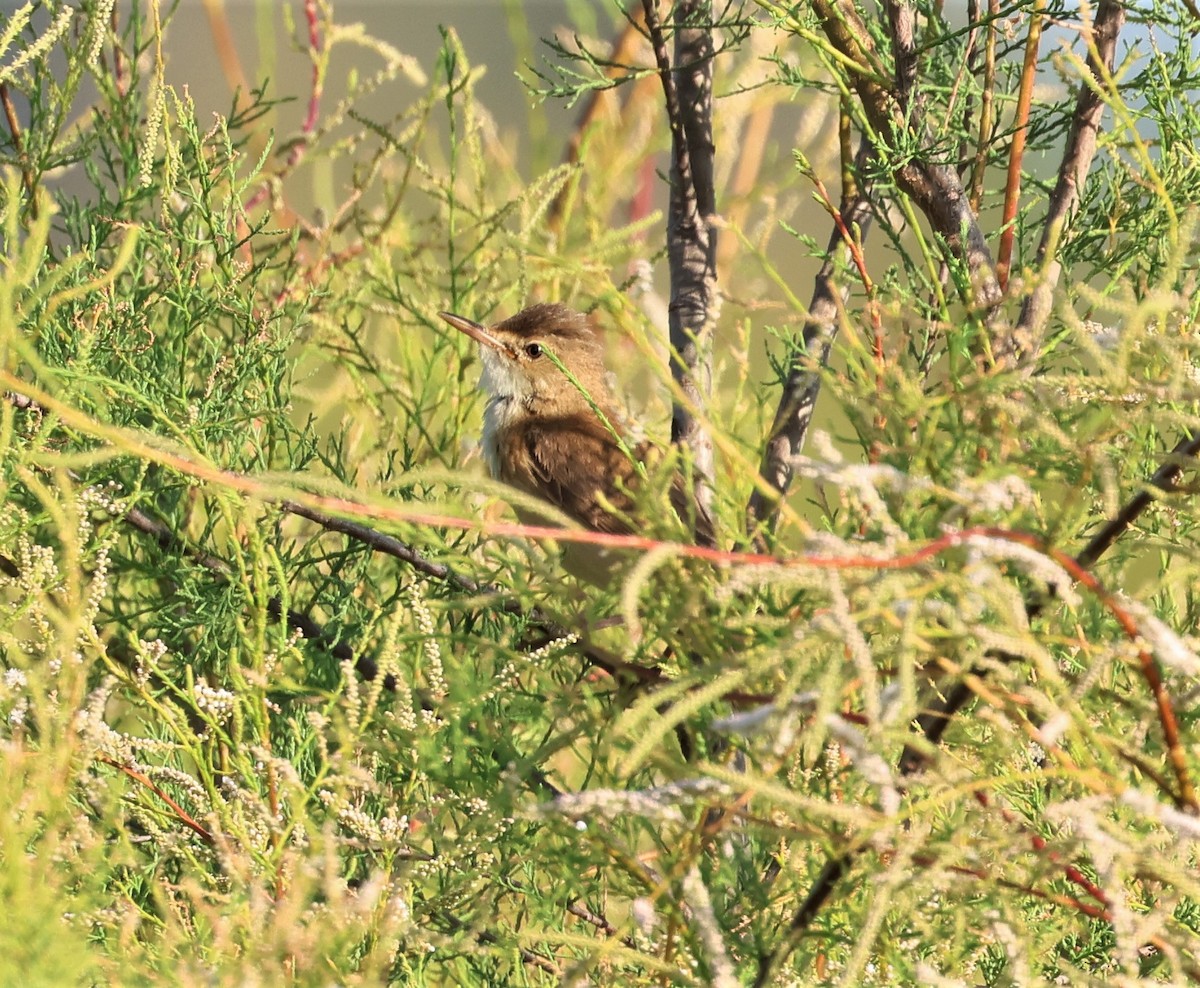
195,792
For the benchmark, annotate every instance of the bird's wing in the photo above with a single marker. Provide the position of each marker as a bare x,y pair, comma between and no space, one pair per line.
575,462
569,462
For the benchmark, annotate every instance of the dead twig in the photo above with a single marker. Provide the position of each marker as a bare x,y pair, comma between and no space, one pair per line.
14,129
180,813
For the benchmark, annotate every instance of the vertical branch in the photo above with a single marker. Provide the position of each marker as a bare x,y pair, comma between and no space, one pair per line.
902,27
1016,153
227,53
14,128
799,399
691,239
1072,172
986,100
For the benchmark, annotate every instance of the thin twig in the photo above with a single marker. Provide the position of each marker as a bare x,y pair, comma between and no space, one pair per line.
389,546
14,128
582,912
854,246
1016,150
987,98
1041,846
181,814
527,956
316,633
623,671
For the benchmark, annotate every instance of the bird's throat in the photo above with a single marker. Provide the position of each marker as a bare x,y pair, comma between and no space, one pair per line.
502,413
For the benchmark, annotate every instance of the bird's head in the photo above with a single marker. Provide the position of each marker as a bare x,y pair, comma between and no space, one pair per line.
523,354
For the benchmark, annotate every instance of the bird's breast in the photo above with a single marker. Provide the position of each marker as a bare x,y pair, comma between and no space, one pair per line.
501,414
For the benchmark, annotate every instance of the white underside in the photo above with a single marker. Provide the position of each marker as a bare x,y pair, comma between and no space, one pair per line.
508,388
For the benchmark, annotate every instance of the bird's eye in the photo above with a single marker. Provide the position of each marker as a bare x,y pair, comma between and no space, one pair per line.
533,350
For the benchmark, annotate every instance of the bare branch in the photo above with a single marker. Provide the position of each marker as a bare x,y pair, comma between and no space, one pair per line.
627,672
388,545
691,237
902,24
1165,480
14,129
1072,172
799,399
1016,148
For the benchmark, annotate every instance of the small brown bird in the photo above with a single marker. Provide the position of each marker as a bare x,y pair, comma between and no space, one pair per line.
551,427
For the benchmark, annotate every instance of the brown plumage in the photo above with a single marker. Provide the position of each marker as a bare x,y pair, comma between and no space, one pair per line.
554,438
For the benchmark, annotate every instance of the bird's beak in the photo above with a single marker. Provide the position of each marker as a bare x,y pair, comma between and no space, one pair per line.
477,332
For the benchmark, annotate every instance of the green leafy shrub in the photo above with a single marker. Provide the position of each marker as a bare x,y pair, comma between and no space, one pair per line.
247,743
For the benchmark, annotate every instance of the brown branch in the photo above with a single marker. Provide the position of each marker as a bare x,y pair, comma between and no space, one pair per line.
171,541
691,238
933,186
1041,846
181,814
388,545
490,939
798,401
1185,797
14,128
902,19
1072,172
581,911
624,671
1016,150
1165,480
854,246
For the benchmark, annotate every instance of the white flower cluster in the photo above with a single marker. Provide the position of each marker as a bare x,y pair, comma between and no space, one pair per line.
664,802
43,589
391,829
217,703
431,649
16,26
